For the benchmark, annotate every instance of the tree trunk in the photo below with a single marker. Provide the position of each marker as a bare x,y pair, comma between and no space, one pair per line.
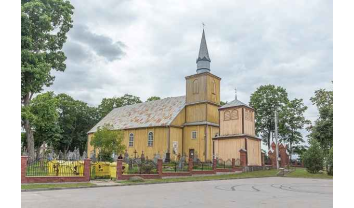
30,139
28,129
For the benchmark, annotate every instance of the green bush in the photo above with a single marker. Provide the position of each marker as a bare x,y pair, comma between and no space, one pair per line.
330,162
313,158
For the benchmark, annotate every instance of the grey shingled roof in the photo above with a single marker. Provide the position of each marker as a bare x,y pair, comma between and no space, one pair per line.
203,50
234,103
147,114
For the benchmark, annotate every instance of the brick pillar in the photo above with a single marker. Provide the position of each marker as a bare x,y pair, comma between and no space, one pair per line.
243,157
272,158
119,169
262,158
190,165
159,167
23,168
214,164
283,156
233,163
87,169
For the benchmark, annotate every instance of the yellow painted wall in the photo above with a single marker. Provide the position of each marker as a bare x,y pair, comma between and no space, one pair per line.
175,135
205,88
230,127
249,122
211,95
254,152
196,144
89,147
180,119
213,114
229,148
195,113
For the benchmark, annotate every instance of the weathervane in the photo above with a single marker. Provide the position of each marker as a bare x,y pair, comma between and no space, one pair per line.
203,25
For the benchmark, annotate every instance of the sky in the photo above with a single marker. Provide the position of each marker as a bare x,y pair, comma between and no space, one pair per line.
147,48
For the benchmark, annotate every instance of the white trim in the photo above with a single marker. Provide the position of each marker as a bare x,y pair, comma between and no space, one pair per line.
152,139
196,134
131,134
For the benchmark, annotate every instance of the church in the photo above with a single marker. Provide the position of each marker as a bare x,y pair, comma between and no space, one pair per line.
194,125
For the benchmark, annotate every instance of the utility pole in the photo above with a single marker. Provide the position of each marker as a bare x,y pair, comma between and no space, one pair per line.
276,137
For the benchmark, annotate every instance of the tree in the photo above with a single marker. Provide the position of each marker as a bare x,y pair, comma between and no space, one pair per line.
322,131
44,25
152,98
329,161
108,141
43,115
108,104
313,157
292,120
223,103
265,100
75,119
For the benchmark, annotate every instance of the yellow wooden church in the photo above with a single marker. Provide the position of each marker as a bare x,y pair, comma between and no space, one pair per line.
194,125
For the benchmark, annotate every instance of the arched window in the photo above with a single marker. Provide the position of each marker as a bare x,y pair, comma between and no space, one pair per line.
234,115
195,87
227,115
214,87
131,139
150,139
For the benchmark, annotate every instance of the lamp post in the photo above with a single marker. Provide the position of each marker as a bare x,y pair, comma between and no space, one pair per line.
276,138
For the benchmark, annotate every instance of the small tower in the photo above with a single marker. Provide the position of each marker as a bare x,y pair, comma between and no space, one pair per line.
203,60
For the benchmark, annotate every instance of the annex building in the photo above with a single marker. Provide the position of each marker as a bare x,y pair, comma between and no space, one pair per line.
194,125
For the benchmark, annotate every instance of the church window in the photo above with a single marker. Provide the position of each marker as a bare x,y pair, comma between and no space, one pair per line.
227,116
195,87
131,139
234,115
194,134
214,87
150,139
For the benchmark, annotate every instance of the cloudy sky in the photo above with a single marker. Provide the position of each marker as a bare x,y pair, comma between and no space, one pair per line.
146,48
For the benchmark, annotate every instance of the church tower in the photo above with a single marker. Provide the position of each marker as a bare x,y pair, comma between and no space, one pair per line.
202,102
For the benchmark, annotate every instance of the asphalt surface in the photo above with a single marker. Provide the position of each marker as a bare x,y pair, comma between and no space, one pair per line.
256,192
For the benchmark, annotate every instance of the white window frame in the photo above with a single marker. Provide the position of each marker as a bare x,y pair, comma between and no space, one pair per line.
196,135
151,141
131,140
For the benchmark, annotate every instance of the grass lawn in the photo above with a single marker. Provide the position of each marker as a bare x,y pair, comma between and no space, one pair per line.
255,174
57,185
302,173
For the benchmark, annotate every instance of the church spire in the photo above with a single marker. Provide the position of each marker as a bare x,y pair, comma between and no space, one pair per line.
203,61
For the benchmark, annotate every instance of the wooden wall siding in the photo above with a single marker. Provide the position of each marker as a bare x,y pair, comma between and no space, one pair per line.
229,148
249,122
197,144
196,113
213,114
192,97
175,135
254,152
231,127
212,131
180,119
141,141
213,97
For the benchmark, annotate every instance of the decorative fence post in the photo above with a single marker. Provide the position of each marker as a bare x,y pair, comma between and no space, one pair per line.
159,167
23,168
214,164
119,173
190,165
87,169
243,157
262,158
233,166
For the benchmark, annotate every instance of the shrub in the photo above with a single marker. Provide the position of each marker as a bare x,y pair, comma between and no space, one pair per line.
330,162
313,158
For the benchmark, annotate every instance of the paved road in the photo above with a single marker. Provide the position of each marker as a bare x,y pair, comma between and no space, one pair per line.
258,192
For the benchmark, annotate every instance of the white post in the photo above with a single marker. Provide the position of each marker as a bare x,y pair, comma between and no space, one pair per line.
276,138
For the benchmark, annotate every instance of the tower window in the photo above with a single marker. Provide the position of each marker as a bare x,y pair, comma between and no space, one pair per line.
194,134
227,116
195,87
234,115
214,88
131,139
150,139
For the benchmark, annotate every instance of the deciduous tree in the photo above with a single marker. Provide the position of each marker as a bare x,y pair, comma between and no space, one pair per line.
108,104
152,98
44,25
